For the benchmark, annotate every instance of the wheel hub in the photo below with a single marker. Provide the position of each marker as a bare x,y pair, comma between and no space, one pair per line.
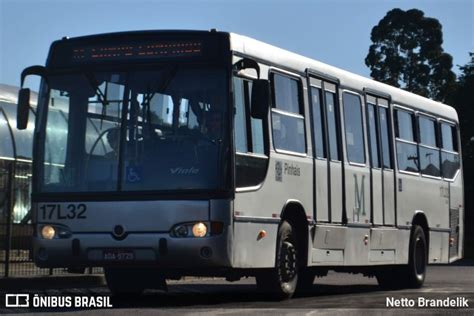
287,261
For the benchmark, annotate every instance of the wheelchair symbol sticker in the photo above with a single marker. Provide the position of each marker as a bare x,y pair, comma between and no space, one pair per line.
133,174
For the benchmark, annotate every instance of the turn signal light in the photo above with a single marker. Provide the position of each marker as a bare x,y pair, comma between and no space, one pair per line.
261,234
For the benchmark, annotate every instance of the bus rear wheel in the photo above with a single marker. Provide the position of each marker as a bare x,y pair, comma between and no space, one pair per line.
413,274
280,282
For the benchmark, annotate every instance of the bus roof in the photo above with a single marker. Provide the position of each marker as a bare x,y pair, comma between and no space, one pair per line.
280,57
9,94
283,58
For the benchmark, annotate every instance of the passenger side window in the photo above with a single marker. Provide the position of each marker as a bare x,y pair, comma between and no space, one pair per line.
429,153
373,135
251,159
354,128
407,153
318,122
449,151
427,131
240,123
384,138
286,93
448,133
332,125
287,115
257,136
405,125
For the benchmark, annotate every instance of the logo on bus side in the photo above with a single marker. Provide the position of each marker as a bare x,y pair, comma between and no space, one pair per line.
286,168
278,171
292,170
184,171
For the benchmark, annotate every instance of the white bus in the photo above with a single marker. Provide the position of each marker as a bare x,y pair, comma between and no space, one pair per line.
160,154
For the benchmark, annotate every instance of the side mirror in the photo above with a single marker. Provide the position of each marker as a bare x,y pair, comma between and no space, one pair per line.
260,98
24,95
23,108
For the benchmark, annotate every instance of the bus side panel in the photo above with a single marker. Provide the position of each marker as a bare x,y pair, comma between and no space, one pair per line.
434,205
289,178
438,247
357,251
416,193
251,252
403,243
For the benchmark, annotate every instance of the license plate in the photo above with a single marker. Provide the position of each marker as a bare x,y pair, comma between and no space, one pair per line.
118,255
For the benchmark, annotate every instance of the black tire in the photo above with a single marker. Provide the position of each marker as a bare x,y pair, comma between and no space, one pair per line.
280,282
124,282
413,274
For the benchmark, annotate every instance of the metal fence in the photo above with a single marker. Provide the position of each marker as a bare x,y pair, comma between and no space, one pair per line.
16,255
16,231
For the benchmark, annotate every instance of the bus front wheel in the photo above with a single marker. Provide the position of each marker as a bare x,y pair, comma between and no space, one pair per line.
280,282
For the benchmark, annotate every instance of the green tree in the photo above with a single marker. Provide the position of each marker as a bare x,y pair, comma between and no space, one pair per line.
462,99
407,53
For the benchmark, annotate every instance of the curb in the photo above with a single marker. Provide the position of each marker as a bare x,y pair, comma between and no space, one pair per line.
57,282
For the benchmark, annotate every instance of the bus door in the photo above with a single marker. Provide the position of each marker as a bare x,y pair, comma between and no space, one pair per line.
321,182
356,173
327,152
382,173
388,170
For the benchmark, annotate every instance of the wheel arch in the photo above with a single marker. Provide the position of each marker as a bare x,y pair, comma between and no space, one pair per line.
419,218
294,212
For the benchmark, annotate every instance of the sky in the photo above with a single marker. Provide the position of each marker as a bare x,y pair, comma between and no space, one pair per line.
336,32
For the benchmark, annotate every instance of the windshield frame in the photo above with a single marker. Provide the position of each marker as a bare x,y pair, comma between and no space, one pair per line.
225,172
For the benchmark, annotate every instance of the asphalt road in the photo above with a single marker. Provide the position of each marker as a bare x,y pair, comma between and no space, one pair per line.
338,293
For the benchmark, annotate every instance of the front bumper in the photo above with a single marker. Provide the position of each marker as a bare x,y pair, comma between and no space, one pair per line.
150,249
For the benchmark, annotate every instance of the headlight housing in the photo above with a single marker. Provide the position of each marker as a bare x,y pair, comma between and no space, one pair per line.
197,229
51,231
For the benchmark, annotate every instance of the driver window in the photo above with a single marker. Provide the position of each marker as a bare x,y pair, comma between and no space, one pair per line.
250,144
102,130
56,135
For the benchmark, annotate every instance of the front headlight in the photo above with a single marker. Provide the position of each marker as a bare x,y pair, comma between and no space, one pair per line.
48,232
54,232
199,230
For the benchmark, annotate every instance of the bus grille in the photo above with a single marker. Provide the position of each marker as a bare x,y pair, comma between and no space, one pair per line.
454,234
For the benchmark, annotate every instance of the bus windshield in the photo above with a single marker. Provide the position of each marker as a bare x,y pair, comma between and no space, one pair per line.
147,130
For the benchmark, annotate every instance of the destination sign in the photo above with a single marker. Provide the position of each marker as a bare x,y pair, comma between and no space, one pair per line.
71,53
137,51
